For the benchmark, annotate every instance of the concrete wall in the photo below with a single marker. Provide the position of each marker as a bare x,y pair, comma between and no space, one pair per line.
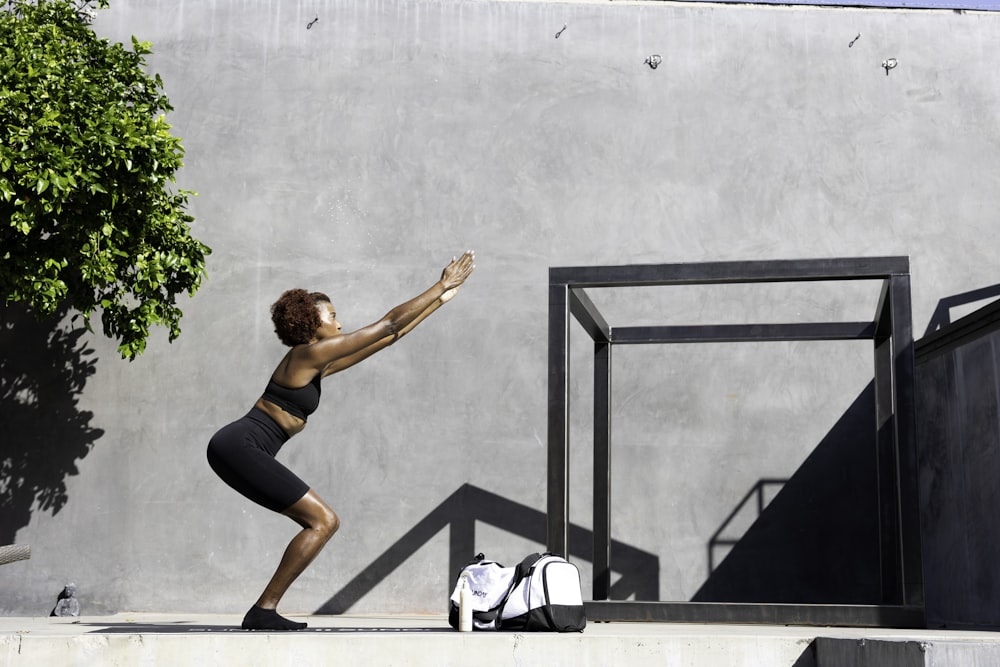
357,155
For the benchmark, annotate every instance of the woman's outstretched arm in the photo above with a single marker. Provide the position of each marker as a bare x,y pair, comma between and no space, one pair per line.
340,352
456,273
362,354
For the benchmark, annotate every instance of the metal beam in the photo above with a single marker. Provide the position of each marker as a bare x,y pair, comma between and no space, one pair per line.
904,414
558,435
883,316
734,333
602,471
795,270
589,317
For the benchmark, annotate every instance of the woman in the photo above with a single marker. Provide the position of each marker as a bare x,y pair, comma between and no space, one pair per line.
243,452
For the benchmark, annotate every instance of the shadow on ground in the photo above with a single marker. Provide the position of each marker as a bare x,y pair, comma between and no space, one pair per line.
469,504
181,628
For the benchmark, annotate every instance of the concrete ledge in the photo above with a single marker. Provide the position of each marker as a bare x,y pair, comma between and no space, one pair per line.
368,641
953,652
365,641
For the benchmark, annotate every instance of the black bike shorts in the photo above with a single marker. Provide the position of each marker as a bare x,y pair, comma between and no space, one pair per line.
242,454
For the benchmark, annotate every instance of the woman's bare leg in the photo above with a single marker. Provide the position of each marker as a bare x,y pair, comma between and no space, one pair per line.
319,523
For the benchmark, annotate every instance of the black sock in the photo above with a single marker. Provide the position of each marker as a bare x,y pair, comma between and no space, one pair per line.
268,619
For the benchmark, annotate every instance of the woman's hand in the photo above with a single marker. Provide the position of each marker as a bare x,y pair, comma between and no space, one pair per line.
448,295
457,272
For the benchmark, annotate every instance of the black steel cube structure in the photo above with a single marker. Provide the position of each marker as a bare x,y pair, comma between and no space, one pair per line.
901,603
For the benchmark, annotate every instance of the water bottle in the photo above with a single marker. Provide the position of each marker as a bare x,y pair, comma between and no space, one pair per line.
465,605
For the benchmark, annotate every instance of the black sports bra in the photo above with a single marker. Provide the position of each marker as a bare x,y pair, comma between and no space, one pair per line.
298,401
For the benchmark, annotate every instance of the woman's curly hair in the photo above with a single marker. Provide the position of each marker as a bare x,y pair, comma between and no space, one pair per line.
295,316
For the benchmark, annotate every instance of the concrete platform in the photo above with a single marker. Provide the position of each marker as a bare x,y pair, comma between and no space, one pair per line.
415,641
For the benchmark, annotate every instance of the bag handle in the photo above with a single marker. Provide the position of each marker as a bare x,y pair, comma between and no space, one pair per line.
520,572
525,565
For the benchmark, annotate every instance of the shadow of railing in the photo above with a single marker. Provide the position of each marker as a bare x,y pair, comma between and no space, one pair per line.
44,367
817,540
941,317
640,570
744,512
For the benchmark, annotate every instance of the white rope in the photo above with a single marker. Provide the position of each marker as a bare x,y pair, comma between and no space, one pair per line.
14,552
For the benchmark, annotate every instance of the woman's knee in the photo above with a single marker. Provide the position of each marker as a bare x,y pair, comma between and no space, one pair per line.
312,513
329,523
325,520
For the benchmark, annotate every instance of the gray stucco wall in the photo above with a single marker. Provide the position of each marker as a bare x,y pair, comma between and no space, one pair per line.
358,155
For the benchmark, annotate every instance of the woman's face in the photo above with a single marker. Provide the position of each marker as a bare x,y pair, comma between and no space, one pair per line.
328,324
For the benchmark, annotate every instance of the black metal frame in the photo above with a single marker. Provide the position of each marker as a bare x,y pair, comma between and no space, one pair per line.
901,602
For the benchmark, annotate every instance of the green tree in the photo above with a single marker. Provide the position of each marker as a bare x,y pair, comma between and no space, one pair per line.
88,217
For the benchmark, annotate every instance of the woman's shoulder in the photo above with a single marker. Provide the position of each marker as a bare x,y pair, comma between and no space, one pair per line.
296,369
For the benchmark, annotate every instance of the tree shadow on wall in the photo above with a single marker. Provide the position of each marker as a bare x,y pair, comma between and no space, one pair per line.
44,367
640,570
817,541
